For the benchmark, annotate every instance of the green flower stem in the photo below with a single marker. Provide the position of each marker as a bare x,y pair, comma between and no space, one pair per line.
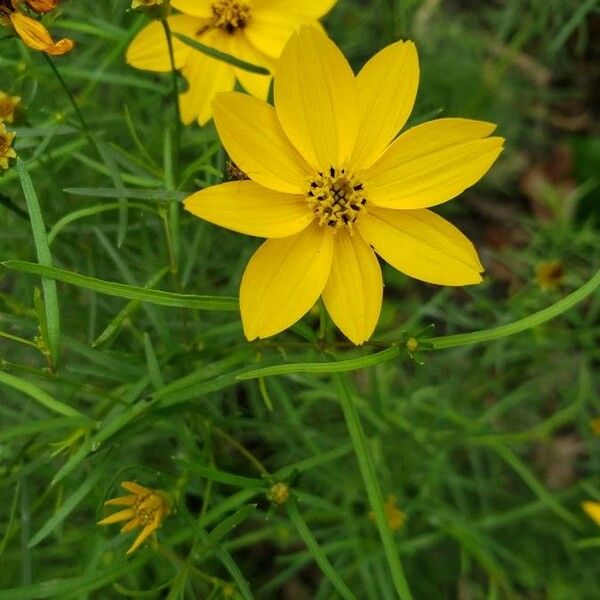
367,470
73,102
172,217
486,335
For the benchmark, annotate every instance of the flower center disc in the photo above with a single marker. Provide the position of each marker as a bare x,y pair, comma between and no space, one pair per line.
4,145
6,7
230,15
337,198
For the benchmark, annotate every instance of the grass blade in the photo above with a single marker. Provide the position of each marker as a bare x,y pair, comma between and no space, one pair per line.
121,290
44,258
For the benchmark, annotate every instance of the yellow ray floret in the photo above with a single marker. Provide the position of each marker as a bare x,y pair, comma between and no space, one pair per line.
332,185
254,31
146,510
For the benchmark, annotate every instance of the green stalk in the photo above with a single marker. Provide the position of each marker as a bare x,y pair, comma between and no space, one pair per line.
367,470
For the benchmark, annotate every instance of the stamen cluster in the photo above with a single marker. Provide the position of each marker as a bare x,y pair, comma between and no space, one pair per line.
337,198
230,15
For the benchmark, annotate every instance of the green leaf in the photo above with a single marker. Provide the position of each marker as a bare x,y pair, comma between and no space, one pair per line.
222,56
122,290
43,255
40,396
221,476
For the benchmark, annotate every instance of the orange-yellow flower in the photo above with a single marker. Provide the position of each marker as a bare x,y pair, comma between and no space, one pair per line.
6,150
32,32
330,184
8,107
251,30
146,509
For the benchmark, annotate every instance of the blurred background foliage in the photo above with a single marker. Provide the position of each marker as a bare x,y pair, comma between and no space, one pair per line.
487,451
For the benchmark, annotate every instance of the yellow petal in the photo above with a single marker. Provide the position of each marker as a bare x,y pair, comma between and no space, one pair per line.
135,488
422,245
273,22
257,85
432,163
206,77
315,98
36,36
354,289
252,136
387,87
144,535
133,524
195,8
122,501
283,280
149,49
249,208
122,515
592,509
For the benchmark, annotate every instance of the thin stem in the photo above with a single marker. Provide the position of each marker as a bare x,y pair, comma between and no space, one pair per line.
175,93
73,102
367,470
316,551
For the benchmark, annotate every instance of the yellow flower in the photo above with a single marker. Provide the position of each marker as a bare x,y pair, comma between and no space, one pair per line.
252,30
6,150
592,509
595,425
8,107
549,274
32,32
146,509
330,184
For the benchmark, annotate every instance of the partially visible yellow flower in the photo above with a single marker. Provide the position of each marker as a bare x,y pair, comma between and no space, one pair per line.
8,107
592,509
251,30
331,184
549,274
595,425
395,517
6,150
146,509
32,32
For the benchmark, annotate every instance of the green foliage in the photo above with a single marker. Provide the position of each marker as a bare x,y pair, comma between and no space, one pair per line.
122,355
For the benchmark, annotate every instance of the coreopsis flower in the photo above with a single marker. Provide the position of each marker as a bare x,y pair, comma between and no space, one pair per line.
592,509
32,32
252,30
330,186
6,150
145,509
8,107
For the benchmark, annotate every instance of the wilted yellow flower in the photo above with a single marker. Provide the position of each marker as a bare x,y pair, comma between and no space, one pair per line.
6,150
251,30
32,32
395,517
592,509
549,274
146,509
330,184
8,107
